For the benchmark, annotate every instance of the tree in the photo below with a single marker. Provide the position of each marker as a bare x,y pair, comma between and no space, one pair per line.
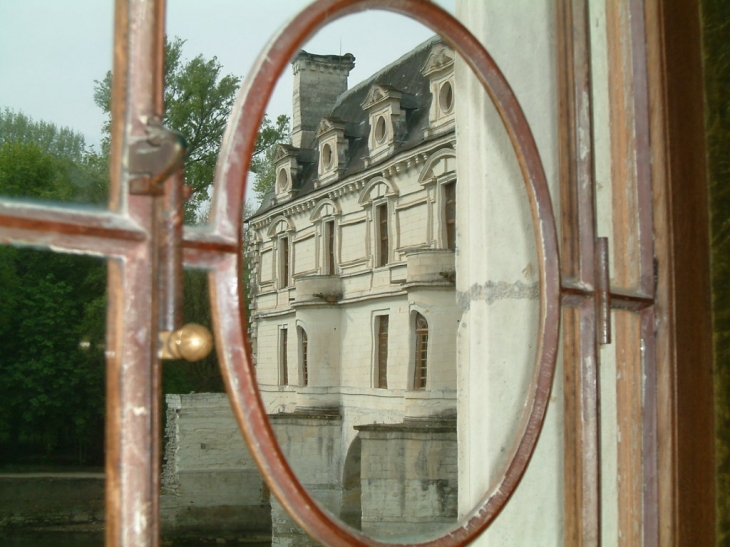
61,142
81,174
198,100
262,163
51,392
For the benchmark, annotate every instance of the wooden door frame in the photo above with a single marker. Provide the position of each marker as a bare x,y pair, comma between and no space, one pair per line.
666,466
686,472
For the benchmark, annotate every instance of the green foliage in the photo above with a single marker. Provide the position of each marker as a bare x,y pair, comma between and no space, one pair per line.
61,142
198,100
51,392
40,160
52,318
262,163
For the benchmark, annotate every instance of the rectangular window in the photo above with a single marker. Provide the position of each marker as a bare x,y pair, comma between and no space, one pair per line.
283,366
284,262
382,354
421,353
382,220
450,215
305,366
329,234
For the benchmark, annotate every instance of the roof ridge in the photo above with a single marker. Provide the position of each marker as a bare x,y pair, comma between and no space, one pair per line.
374,77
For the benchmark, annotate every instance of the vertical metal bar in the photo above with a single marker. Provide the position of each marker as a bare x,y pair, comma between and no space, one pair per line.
170,217
133,373
582,429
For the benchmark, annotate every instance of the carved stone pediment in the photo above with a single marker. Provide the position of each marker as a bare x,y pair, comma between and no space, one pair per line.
328,124
441,57
283,151
379,93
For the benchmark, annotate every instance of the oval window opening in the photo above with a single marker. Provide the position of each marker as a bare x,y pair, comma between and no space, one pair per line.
282,180
380,130
446,96
327,156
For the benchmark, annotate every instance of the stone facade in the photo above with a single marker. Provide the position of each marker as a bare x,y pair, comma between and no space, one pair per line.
210,483
354,317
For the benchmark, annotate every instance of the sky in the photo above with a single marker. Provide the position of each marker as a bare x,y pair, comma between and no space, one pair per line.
51,51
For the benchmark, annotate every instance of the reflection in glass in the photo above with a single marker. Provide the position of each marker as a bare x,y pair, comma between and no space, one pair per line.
369,225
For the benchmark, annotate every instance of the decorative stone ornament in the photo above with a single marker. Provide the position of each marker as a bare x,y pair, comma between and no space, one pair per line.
439,69
287,168
383,104
333,148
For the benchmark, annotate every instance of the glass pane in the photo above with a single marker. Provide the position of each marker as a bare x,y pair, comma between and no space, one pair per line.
53,143
52,403
330,425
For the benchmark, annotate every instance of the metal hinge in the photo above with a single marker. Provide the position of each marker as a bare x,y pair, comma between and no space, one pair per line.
154,159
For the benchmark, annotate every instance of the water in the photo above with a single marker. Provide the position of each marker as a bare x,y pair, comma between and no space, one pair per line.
65,539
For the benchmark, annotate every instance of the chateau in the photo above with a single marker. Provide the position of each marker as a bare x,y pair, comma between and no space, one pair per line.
353,312
353,315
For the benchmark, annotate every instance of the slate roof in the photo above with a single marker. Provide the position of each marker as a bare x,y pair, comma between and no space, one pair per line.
403,75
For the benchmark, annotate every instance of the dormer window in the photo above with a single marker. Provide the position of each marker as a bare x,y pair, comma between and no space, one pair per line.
332,150
387,121
327,156
439,69
286,163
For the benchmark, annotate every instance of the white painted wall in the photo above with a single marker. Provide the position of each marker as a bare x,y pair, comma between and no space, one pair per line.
497,273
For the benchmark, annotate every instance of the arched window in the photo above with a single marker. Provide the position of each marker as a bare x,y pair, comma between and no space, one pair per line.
449,215
303,352
421,353
283,354
381,355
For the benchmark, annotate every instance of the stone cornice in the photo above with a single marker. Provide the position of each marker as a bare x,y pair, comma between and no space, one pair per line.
355,183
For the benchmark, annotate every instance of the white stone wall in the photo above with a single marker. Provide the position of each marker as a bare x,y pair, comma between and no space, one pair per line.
210,484
496,271
339,313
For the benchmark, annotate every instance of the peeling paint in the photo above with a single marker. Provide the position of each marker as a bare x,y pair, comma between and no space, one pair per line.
491,291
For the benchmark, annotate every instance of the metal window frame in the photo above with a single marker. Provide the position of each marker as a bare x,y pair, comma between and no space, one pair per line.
128,235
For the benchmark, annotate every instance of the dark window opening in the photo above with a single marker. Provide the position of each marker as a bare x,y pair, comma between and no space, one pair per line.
421,354
283,366
382,370
284,255
304,348
382,219
450,214
329,230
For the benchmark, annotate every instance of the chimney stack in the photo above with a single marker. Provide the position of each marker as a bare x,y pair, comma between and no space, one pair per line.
318,82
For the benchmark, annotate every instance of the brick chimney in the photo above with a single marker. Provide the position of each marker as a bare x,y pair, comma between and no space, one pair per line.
318,81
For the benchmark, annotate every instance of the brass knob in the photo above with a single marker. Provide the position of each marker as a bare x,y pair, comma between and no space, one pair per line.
192,342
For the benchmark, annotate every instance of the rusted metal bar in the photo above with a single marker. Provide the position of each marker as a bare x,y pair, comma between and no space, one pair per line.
133,370
169,216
